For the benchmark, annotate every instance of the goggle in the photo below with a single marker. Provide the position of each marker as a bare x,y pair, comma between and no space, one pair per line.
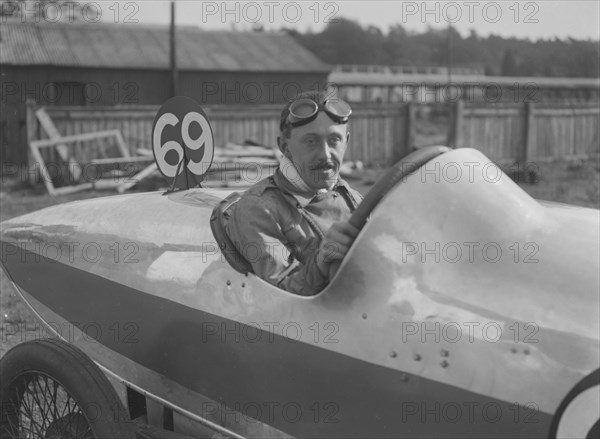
305,110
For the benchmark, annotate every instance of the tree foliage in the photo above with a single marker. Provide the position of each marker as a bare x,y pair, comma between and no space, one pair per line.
347,42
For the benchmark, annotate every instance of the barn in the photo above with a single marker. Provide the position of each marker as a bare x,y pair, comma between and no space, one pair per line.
117,64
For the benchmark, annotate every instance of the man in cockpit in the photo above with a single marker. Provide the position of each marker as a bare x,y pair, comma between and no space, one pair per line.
303,209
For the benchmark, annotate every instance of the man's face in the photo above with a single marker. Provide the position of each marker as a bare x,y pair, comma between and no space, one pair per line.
317,150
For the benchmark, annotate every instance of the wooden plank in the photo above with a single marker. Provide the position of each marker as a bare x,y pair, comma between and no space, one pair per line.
75,138
121,144
484,112
145,152
95,185
567,111
62,148
105,183
410,128
35,152
109,160
458,141
231,164
149,170
71,189
32,133
528,135
230,154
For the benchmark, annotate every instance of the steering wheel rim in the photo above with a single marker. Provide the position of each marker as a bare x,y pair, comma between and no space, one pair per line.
391,178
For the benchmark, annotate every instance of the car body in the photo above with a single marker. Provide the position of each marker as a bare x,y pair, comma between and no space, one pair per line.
465,308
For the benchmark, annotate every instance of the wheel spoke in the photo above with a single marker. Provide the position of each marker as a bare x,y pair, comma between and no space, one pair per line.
54,393
26,412
41,407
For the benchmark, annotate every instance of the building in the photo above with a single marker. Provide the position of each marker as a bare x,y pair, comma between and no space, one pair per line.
115,64
438,85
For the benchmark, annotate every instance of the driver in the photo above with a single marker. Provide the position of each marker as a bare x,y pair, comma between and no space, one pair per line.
292,227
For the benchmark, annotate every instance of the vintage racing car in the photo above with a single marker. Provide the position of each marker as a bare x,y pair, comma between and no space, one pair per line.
465,308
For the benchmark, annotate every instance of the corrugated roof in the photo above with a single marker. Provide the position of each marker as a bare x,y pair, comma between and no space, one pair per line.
147,47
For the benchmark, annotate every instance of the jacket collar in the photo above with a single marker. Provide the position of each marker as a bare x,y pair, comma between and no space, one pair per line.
302,198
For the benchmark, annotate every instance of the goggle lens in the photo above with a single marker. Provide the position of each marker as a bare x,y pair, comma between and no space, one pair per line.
303,108
304,111
339,108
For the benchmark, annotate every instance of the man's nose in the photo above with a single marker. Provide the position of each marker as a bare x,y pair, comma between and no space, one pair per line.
324,150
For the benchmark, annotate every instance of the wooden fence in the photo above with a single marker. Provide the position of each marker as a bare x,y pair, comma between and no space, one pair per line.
526,132
379,133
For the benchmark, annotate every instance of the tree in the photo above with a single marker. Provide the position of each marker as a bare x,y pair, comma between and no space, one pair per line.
509,64
346,42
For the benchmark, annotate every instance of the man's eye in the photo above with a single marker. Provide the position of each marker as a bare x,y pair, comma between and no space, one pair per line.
334,141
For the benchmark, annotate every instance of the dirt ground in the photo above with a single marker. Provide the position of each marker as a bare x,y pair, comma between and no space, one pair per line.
575,183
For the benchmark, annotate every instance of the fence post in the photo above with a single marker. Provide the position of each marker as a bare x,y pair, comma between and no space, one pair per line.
409,140
456,122
32,134
528,135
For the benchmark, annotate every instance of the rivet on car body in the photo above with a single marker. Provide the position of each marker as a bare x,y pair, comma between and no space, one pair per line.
403,377
228,283
393,354
364,316
444,364
444,353
417,357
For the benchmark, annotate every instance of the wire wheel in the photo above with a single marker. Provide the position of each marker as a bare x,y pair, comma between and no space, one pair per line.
49,389
40,407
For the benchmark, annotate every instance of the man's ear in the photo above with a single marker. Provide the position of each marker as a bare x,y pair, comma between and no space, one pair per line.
282,144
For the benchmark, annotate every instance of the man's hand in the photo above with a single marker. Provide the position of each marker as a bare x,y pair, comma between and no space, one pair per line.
334,247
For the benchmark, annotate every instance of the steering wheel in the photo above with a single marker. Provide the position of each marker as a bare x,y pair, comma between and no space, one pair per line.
393,176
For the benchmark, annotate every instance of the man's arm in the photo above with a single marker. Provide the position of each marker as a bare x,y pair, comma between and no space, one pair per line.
335,245
258,236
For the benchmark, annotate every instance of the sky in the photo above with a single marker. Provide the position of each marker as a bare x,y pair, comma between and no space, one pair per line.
522,19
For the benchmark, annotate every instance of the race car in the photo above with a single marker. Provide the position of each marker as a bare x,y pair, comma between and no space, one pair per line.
465,308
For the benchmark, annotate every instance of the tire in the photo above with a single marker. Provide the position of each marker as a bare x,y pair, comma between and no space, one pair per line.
49,389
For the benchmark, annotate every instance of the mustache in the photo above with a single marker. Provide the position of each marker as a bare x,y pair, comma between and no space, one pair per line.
323,166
